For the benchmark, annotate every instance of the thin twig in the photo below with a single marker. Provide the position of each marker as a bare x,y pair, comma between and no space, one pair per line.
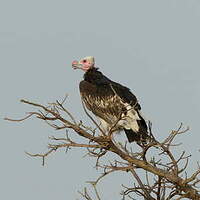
43,156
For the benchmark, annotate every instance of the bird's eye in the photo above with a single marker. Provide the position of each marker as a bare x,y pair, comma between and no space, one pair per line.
84,61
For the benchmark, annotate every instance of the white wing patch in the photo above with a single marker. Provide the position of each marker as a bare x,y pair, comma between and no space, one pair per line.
129,121
108,110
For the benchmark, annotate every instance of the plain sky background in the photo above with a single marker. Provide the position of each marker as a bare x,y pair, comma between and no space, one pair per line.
152,47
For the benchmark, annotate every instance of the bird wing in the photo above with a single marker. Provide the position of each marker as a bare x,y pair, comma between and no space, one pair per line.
125,94
101,101
107,99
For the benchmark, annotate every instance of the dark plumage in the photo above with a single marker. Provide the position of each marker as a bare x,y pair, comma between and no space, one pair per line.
109,100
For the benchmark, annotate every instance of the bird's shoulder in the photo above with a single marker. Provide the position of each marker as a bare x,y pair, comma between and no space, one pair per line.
125,94
97,84
87,87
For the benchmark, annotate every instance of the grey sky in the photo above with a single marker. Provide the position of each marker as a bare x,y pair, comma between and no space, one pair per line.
150,46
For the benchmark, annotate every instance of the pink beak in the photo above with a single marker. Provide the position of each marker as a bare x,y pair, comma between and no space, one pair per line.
75,62
76,65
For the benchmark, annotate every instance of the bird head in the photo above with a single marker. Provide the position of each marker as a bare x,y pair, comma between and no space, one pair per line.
85,64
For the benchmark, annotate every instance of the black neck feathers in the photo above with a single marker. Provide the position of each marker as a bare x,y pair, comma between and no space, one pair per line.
95,77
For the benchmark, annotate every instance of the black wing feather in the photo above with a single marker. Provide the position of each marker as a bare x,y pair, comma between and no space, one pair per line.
107,86
101,96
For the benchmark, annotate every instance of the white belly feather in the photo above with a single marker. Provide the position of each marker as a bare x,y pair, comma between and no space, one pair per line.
127,121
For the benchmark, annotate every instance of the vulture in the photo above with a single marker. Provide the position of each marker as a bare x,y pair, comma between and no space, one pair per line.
111,102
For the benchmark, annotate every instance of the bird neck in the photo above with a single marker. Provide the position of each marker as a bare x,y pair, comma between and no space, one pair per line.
92,75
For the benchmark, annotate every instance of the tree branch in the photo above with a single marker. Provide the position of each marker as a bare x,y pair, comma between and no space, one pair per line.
98,146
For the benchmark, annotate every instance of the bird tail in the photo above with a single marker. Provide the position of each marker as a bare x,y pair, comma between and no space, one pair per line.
136,137
141,135
131,135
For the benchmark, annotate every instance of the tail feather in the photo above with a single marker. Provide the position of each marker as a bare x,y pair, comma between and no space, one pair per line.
131,135
141,135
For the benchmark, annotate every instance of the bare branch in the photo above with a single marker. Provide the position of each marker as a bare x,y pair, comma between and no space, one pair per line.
65,110
43,156
146,193
20,120
163,180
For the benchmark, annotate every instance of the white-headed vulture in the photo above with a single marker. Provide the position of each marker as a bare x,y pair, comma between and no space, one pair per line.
111,102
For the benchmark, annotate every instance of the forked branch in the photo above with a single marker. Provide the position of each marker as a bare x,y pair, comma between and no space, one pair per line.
167,170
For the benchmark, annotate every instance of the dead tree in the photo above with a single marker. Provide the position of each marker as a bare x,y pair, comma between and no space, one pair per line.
166,176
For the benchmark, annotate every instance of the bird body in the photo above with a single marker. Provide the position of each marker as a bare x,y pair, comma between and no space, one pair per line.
111,102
